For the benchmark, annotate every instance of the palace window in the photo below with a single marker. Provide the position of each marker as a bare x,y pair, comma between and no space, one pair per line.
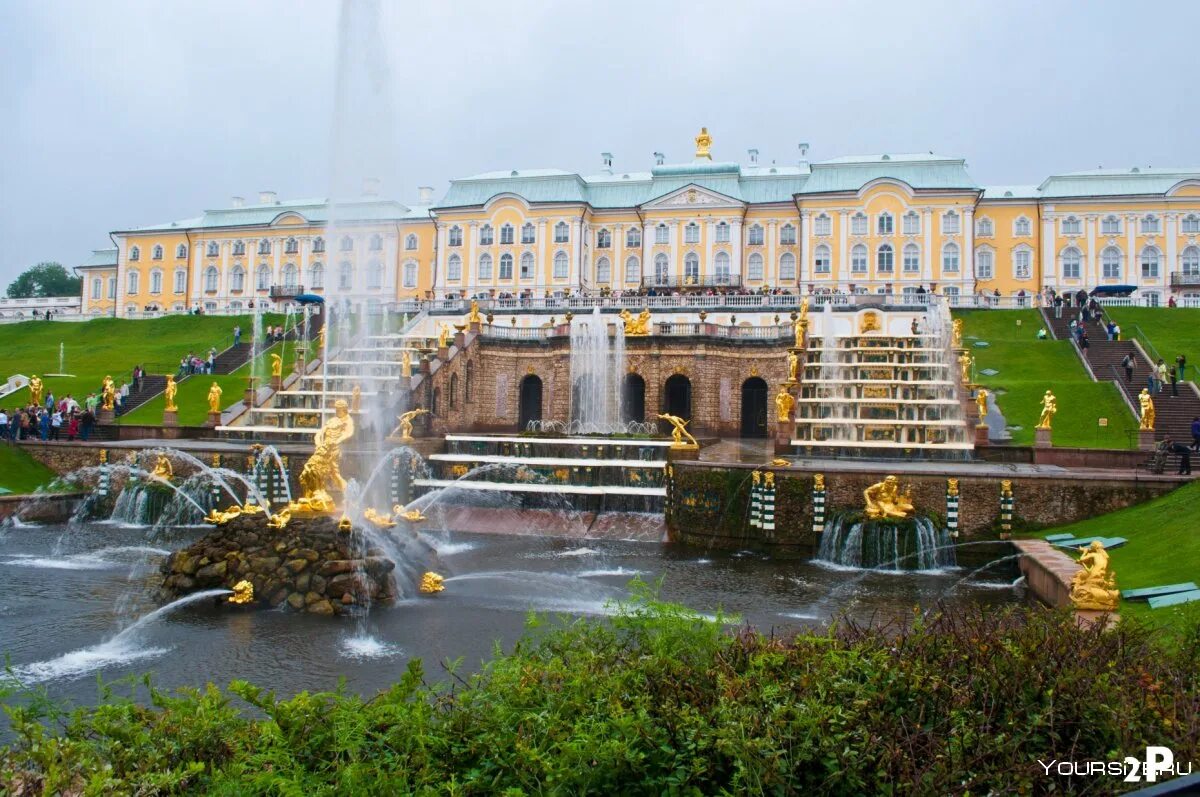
1150,258
506,266
1071,225
374,275
822,261
484,272
603,271
455,236
885,224
211,278
1150,225
181,251
662,269
787,235
984,264
984,228
290,278
486,236
1022,263
214,249
527,266
691,268
950,260
722,232
755,271
506,234
291,246
662,235
562,233
1191,261
376,244
156,281
1022,227
239,247
345,276
912,223
910,258
721,268
97,287
633,269
112,287
755,238
603,239
237,280
1110,225
410,242
454,267
561,266
263,277
885,259
1191,223
823,225
410,274
264,248
316,276
135,254
787,267
633,237
347,244
1110,262
858,259
691,233
131,282
951,223
528,234
858,223
1072,261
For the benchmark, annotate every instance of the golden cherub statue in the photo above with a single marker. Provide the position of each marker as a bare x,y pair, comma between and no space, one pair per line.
355,398
108,394
243,593
800,328
793,360
280,519
321,338
869,322
406,422
636,325
431,583
1148,413
474,316
885,501
703,145
1049,407
378,519
214,398
35,390
1094,586
818,481
956,329
679,431
163,469
981,397
276,365
444,336
411,515
169,393
218,518
784,402
322,471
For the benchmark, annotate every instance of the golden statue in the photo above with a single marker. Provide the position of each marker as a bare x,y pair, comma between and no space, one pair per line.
322,472
163,469
1094,586
378,519
956,333
952,486
981,404
108,394
321,338
251,509
280,519
769,480
636,325
804,308
412,515
219,518
1148,413
405,364
406,423
276,365
703,143
679,431
793,360
818,481
243,593
784,402
885,501
474,317
1049,407
780,462
431,583
869,322
214,398
35,390
964,366
345,526
169,393
800,328
355,398
444,336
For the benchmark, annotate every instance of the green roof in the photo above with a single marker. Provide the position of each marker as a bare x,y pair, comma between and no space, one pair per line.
918,172
312,210
1137,181
100,258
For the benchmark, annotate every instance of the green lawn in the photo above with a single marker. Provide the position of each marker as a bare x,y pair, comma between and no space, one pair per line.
1172,331
109,346
1162,548
20,472
1027,367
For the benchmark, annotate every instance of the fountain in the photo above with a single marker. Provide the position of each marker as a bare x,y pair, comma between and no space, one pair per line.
597,367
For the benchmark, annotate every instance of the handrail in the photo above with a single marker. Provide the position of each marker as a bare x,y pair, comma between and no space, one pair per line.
1116,377
1147,346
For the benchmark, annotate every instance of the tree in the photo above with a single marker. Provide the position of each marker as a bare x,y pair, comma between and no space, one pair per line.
44,279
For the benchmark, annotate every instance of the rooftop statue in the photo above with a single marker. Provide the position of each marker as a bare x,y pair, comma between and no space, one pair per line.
1049,407
1094,586
885,501
322,472
679,431
703,145
1148,412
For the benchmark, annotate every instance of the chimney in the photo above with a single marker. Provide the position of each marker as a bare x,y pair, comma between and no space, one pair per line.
659,158
606,160
370,186
804,152
237,202
753,156
425,195
266,197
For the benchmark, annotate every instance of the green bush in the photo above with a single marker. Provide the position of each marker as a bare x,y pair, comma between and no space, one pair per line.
657,700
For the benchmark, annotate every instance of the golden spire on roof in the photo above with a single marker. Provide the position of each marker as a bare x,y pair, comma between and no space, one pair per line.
703,142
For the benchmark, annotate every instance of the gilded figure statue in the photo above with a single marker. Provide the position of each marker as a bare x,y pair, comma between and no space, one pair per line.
784,403
956,329
35,390
703,145
965,361
636,325
780,462
1049,407
406,364
869,322
108,394
800,329
1094,586
431,583
163,469
952,486
884,500
322,472
280,519
378,519
321,338
217,517
406,422
804,308
444,336
169,393
243,593
818,481
793,366
355,398
679,431
214,398
474,316
1148,414
411,515
981,397
276,365
769,479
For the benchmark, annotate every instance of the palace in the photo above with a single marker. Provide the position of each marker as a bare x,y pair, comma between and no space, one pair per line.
889,223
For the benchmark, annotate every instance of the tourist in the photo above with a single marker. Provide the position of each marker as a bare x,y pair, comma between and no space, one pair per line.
1116,331
1127,364
1058,306
1041,335
1162,374
1185,458
237,336
43,425
56,420
1196,433
1084,342
73,426
1151,379
4,428
1181,367
86,422
1171,302
49,401
1108,330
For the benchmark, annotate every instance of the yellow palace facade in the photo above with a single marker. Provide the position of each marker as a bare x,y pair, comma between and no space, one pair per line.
887,223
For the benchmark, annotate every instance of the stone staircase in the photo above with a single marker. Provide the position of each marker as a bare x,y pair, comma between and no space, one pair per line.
232,358
152,385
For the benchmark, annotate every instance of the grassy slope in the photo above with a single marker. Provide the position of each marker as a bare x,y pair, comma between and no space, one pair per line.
1028,368
1162,548
109,346
1173,331
20,472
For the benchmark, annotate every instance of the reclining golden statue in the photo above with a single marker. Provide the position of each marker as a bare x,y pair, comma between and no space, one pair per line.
885,501
1094,586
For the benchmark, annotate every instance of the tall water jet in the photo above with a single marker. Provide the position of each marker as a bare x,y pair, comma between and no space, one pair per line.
597,367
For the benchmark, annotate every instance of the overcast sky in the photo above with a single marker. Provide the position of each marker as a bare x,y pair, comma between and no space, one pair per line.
122,113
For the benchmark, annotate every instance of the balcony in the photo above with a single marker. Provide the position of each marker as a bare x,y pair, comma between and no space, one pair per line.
702,281
283,292
1184,280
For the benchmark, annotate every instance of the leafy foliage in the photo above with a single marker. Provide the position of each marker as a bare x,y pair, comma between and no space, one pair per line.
44,279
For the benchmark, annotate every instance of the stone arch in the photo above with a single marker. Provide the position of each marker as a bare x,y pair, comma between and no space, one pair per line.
530,401
754,407
677,396
633,398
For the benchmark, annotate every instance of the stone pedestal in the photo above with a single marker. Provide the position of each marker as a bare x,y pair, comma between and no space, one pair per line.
443,353
783,436
981,435
460,339
1145,439
214,420
106,416
277,383
476,327
423,366
170,418
1041,438
683,454
249,398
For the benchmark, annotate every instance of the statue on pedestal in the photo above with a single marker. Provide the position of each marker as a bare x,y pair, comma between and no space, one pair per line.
784,402
444,336
981,397
169,393
800,328
956,329
214,398
405,428
35,390
108,394
322,471
636,325
405,364
355,398
474,317
1148,413
276,366
793,366
1049,407
163,469
965,361
1094,586
679,431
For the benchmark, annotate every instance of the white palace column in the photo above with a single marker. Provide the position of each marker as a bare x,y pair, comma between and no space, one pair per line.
843,273
770,272
735,241
1170,227
966,257
707,269
1131,275
574,277
470,269
440,258
647,248
674,250
543,257
927,245
1091,278
806,264
1049,262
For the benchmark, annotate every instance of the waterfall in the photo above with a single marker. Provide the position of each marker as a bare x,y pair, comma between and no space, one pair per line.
913,544
597,368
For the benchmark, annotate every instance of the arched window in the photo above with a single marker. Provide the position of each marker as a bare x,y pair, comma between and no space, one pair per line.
131,281
506,234
691,269
633,269
484,272
318,244
213,249
950,222
410,242
345,275
1150,224
950,258
858,223
1110,262
486,237
603,271
469,383
156,281
528,235
527,266
211,279
787,235
786,267
376,244
822,260
180,251
823,225
97,287
454,268
263,277
347,244
603,239
237,279
291,246
180,280
410,274
506,266
885,258
452,399
722,232
375,275
1022,263
135,253
112,287
633,236
858,259
1191,224
662,234
455,235
1071,225
984,227
562,233
264,247
239,247
316,276
290,279
662,269
1110,225
1150,259
721,268
691,233
1190,261
912,223
885,225
755,270
911,258
755,237
1022,227
1072,260
560,266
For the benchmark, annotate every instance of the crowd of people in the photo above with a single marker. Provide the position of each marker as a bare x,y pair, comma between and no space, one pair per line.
53,420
